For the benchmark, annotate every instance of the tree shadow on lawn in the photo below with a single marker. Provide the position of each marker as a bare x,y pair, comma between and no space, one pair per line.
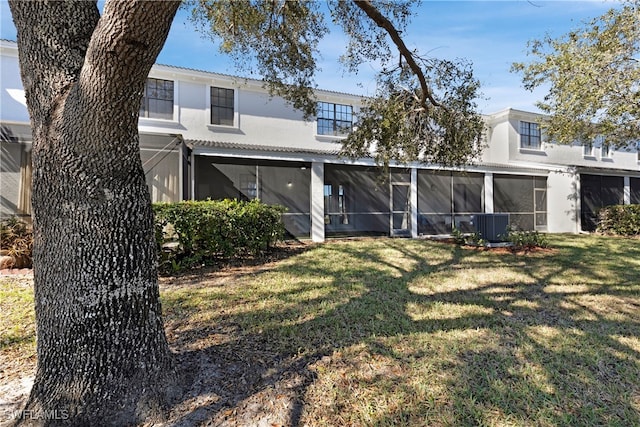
506,340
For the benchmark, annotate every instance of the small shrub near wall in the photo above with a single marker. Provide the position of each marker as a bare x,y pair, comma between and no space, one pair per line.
194,232
622,220
526,240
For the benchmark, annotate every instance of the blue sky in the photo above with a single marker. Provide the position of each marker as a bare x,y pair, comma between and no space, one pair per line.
491,34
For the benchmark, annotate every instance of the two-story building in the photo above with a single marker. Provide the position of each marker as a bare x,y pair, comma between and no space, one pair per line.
207,135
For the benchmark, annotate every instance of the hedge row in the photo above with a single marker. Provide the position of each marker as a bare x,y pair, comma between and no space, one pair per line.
192,232
622,220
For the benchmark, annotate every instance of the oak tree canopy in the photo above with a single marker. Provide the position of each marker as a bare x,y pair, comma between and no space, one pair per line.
424,108
593,75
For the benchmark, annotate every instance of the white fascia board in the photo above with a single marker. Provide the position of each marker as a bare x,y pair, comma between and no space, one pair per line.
8,48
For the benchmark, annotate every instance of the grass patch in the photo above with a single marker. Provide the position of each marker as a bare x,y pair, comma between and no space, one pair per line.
391,332
412,332
17,328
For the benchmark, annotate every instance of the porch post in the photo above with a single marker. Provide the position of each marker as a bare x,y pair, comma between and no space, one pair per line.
192,177
488,192
627,190
413,204
317,202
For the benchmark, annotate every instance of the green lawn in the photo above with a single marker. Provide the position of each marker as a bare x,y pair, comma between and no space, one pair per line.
413,332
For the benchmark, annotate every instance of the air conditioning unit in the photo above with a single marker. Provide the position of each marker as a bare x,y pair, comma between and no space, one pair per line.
491,227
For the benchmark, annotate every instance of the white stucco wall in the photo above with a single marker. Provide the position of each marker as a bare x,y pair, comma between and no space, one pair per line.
259,118
551,153
13,106
497,151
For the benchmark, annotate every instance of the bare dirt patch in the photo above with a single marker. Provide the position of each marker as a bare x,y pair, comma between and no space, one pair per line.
232,378
229,378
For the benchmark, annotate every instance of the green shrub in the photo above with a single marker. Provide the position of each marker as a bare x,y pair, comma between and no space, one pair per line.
195,232
622,220
526,240
458,237
16,241
471,239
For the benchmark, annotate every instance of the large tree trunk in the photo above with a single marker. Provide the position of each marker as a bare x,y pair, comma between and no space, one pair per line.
103,358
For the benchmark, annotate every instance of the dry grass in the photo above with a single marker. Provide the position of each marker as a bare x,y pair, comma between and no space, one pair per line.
392,332
17,327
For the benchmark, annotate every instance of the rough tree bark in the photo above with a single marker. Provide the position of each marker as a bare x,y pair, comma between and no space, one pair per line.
103,358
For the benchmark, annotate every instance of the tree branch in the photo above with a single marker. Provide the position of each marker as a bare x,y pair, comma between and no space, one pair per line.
132,34
374,14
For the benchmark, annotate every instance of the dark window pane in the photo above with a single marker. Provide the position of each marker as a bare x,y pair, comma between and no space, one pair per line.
222,106
334,119
529,135
157,101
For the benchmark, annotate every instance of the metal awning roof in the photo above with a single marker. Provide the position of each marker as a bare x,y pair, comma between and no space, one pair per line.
15,132
267,148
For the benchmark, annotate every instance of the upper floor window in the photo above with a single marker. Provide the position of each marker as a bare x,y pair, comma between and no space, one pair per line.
605,149
588,150
530,136
222,106
157,101
334,119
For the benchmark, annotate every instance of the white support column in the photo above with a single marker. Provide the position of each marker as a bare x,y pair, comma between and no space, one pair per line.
578,198
413,204
317,202
627,190
488,192
192,177
181,172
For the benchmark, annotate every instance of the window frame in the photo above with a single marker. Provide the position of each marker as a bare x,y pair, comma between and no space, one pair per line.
334,115
528,135
208,103
145,111
589,150
220,106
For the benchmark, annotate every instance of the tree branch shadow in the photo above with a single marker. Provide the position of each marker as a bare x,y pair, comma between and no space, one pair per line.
256,366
